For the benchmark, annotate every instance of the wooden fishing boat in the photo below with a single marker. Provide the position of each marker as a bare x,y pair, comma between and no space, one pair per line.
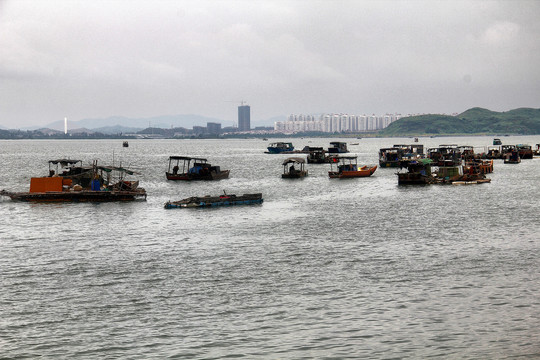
109,184
389,157
293,168
536,151
461,175
494,152
392,157
445,155
193,169
347,167
317,155
338,147
483,166
525,151
512,157
215,201
418,172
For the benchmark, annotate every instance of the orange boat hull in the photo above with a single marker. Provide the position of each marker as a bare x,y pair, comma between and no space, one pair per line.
362,172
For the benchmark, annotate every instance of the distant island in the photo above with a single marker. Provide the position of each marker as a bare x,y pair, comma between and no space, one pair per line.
475,121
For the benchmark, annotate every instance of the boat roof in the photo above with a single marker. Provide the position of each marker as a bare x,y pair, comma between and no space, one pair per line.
64,161
186,158
116,168
346,157
337,142
298,160
425,161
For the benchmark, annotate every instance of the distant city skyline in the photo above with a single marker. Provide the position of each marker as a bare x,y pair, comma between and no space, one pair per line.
331,123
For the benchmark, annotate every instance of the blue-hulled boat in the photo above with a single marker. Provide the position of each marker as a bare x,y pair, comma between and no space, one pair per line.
279,147
213,201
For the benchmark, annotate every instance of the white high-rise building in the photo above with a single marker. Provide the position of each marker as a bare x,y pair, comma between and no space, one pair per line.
331,123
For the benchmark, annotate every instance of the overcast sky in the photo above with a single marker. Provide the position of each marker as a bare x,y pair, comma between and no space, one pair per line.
93,59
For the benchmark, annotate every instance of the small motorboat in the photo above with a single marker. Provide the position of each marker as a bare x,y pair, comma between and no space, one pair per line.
293,168
347,167
193,169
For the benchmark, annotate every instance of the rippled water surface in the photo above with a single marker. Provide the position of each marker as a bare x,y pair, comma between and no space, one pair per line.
324,268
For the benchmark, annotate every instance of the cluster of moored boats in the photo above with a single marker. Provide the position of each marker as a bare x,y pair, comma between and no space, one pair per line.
69,180
450,164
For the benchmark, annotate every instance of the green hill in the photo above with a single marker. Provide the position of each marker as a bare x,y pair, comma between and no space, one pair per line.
522,121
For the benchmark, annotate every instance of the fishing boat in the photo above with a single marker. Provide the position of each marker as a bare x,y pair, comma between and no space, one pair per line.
109,184
445,155
293,168
279,147
508,149
484,166
347,167
512,157
392,157
389,157
536,151
193,169
525,151
214,201
450,174
317,155
497,141
418,172
338,147
493,152
411,152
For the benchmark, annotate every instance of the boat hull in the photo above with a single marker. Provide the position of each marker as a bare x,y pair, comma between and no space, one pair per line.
215,201
77,196
363,172
414,179
296,175
383,163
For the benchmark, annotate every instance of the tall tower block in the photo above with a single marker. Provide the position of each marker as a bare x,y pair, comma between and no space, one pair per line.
244,120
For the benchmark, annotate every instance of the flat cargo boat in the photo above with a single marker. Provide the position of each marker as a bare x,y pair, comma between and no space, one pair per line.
213,201
76,196
108,185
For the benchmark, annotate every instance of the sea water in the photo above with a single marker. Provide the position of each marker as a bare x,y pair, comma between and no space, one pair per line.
324,268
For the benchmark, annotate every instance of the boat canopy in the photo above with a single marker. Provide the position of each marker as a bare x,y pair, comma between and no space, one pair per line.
347,157
115,168
297,160
187,158
425,161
